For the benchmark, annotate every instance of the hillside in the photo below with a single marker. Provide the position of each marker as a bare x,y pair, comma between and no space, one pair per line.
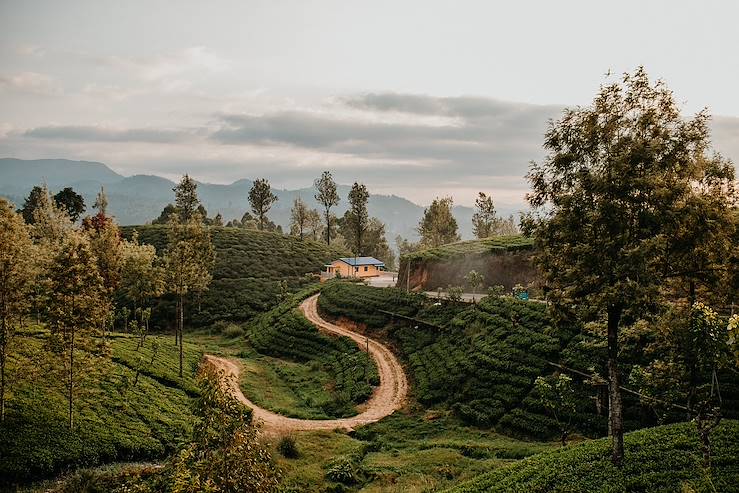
481,362
502,260
140,198
115,420
249,268
662,459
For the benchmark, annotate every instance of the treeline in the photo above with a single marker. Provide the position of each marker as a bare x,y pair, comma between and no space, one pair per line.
82,281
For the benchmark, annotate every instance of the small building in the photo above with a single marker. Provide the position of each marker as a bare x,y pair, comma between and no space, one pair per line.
353,267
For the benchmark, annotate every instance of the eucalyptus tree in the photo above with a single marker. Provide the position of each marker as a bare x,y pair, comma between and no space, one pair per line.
261,199
328,197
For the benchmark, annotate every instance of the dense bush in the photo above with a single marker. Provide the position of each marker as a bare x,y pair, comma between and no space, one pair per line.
662,459
249,268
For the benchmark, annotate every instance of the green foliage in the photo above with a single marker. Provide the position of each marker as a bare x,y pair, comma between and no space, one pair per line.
660,459
288,447
494,245
246,278
285,333
454,293
70,202
438,227
114,421
261,199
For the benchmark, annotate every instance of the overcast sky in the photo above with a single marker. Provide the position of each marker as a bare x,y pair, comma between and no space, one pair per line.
417,98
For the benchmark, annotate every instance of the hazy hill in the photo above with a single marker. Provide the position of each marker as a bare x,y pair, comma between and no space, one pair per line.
140,198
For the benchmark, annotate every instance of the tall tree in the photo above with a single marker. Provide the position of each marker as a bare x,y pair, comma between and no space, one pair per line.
16,279
32,202
356,218
261,199
438,226
186,198
101,202
485,220
71,202
50,224
604,200
328,197
313,223
77,307
298,218
188,264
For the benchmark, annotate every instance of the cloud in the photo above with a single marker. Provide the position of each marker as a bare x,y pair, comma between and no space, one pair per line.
102,134
156,68
30,83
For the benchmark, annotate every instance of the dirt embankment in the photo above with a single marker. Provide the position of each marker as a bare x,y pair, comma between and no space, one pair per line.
506,269
389,396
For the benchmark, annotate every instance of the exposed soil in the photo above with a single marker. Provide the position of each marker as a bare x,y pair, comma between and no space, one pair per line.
387,397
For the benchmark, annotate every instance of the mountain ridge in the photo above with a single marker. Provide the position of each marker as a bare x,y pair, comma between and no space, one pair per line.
138,199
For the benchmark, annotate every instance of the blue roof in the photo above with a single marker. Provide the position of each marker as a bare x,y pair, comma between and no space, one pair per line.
354,261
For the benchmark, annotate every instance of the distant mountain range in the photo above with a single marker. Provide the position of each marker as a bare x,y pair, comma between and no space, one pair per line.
140,198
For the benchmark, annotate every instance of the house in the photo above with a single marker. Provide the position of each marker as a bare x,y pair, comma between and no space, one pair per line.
353,267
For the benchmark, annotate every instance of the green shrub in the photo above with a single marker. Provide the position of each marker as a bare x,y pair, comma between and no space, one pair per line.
662,459
288,447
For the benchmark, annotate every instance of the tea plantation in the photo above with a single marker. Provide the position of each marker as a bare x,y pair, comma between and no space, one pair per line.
284,332
482,361
496,244
249,267
662,459
115,419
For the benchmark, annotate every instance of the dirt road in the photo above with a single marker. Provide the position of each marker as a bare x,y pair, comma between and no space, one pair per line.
387,397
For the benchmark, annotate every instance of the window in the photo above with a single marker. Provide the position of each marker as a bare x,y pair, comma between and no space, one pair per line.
356,269
366,268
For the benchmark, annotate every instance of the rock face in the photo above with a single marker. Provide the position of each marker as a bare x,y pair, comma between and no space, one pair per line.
505,261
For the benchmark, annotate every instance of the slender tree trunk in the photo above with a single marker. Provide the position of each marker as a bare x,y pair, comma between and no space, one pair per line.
71,381
181,323
328,227
2,375
177,323
615,408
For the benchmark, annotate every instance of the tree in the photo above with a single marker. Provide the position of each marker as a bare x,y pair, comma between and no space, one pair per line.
218,220
186,199
485,220
261,199
141,276
474,279
225,454
32,202
166,213
107,246
188,262
691,348
558,397
71,202
375,243
604,199
298,218
356,217
313,224
328,197
77,306
101,202
16,279
51,225
438,226
406,246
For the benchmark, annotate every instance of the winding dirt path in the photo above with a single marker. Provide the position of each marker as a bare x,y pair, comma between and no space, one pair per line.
389,396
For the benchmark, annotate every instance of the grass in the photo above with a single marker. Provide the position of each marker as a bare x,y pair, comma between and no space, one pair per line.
114,420
403,452
249,267
493,245
662,459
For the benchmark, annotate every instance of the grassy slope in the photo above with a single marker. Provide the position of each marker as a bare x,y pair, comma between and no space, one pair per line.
112,424
249,267
662,459
497,244
402,453
302,372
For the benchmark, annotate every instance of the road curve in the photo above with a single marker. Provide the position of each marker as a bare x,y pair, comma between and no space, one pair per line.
389,396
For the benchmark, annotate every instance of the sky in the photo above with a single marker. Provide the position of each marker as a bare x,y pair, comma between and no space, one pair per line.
417,98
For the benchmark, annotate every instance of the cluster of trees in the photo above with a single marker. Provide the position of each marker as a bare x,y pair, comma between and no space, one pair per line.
73,278
636,221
